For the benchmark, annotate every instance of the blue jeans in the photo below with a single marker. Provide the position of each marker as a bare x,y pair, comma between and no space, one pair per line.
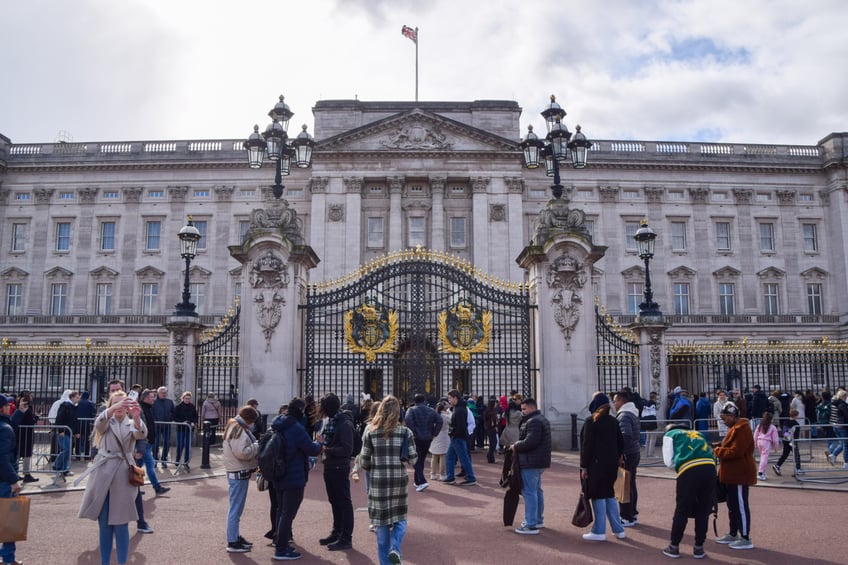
238,496
120,532
163,440
389,538
183,443
534,498
606,507
7,550
837,446
458,449
150,466
63,442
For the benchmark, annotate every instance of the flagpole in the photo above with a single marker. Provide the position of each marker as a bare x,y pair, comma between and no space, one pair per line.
416,64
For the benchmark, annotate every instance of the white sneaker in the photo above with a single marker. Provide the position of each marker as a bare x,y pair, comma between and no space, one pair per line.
422,486
621,535
539,526
594,537
761,477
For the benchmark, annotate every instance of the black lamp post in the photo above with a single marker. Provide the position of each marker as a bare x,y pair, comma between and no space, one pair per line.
189,236
645,238
557,147
276,145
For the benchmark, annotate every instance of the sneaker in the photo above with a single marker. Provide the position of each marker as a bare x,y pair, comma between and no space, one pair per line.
372,528
776,469
621,535
244,542
68,474
144,528
433,477
726,539
467,483
629,523
450,481
30,479
594,537
442,477
798,472
288,555
527,530
742,543
698,552
340,545
422,486
830,458
162,490
394,558
539,526
672,551
236,547
761,477
332,538
269,534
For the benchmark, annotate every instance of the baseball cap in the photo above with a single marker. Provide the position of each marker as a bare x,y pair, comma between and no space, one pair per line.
730,408
3,400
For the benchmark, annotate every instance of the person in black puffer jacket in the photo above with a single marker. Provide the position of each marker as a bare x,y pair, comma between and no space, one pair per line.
534,456
628,420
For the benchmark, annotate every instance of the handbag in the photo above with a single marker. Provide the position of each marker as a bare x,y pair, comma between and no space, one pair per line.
583,513
622,486
14,518
261,482
135,475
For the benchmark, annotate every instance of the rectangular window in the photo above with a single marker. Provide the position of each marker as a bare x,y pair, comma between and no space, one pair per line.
416,189
805,197
678,236
811,242
723,236
111,195
771,300
66,196
244,227
58,299
634,297
201,226
415,237
14,299
681,299
247,193
457,232
156,194
22,196
149,298
201,193
152,230
726,301
107,236
767,237
375,232
63,236
103,299
18,237
814,299
237,291
457,190
198,294
629,231
590,227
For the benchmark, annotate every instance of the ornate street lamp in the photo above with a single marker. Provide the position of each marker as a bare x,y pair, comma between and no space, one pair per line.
189,236
558,146
276,145
645,238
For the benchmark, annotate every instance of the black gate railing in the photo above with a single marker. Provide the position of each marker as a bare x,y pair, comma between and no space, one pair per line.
417,321
618,354
218,364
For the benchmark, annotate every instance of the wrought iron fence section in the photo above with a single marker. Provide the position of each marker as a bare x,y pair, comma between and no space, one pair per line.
217,363
618,354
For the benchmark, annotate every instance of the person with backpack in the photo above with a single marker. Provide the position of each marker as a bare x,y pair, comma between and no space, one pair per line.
284,461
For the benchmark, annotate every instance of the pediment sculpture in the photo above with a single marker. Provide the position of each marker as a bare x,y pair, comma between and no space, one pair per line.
417,136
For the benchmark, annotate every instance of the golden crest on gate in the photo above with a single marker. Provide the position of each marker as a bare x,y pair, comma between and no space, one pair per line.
371,329
465,329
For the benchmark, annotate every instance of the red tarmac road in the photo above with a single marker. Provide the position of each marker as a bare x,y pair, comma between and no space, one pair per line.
447,525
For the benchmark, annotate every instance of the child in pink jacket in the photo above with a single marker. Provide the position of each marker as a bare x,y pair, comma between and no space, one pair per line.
766,439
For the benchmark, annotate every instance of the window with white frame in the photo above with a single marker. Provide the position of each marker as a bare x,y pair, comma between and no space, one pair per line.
152,232
630,229
723,241
66,196
14,299
415,232
18,236
111,195
198,296
811,241
727,299
156,194
814,299
58,299
681,299
149,298
767,237
590,227
201,193
243,227
237,291
107,236
202,226
771,300
19,196
63,236
634,297
678,236
375,232
457,232
103,299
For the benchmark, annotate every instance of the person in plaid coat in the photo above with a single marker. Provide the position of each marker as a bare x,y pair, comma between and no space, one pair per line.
387,445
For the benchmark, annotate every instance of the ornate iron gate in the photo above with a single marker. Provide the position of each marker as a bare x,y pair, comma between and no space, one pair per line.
618,354
218,364
417,321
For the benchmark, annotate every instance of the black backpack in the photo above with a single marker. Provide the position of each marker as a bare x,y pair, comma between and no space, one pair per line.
272,456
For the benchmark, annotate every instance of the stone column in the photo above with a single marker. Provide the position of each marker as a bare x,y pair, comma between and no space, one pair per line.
184,336
437,220
275,264
395,214
480,222
653,370
559,265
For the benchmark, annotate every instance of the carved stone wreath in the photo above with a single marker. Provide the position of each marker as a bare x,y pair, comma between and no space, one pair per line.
567,277
268,276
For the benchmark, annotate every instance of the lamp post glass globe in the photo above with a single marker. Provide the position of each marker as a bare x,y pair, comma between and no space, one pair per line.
189,235
645,238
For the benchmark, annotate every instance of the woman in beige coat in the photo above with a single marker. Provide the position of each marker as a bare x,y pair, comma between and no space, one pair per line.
241,451
109,497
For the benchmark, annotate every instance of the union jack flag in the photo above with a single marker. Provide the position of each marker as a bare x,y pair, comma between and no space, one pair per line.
411,33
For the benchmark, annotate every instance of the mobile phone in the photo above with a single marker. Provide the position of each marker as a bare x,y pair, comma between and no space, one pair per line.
133,395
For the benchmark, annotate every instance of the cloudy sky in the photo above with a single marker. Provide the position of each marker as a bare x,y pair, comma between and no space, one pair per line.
760,71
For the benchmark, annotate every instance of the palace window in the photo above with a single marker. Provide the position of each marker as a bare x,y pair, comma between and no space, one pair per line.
771,299
375,232
14,299
814,299
152,231
726,299
18,237
107,236
103,299
634,297
681,299
811,241
722,236
58,299
415,233
149,298
767,237
678,236
457,232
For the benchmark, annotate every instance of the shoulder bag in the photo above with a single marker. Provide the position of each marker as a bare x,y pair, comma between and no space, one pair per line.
583,513
135,474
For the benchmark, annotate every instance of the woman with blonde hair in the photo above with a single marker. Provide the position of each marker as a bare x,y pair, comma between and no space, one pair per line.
386,446
241,452
109,497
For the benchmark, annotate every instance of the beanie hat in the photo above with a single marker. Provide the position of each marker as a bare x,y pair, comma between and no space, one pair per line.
598,401
730,408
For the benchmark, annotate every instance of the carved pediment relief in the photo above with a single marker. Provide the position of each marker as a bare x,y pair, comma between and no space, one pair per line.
814,274
727,273
682,272
149,272
634,272
771,273
58,273
13,274
197,272
103,272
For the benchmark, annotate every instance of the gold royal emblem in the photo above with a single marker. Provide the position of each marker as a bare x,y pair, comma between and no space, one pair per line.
465,330
371,329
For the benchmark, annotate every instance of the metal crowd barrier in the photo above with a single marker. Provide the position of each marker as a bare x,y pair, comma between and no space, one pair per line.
48,457
812,464
652,442
173,444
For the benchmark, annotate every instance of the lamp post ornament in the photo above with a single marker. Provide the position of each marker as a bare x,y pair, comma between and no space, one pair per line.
645,238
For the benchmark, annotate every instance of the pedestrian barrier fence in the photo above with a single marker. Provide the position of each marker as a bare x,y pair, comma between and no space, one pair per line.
651,441
172,445
45,450
821,459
